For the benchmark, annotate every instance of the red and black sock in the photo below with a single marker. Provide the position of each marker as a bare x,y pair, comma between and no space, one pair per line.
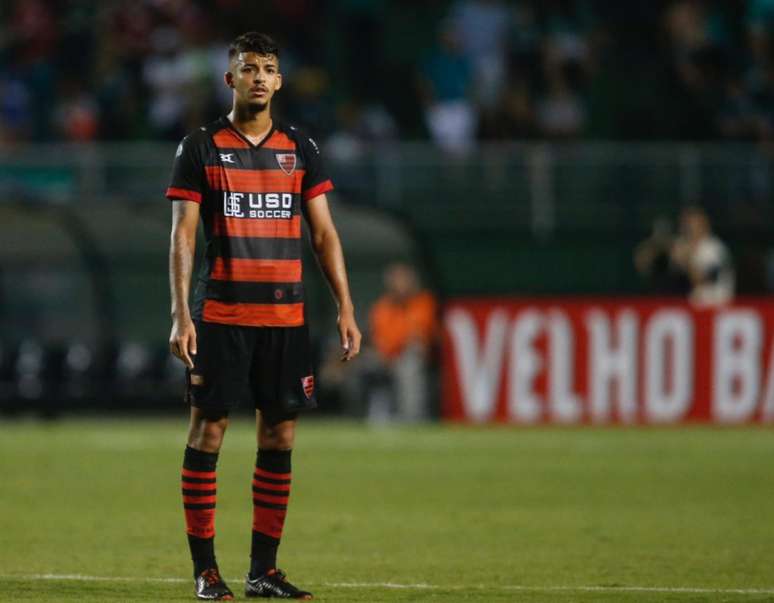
199,490
271,489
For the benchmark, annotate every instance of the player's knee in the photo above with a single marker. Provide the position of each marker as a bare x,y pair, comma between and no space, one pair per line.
277,437
206,440
207,434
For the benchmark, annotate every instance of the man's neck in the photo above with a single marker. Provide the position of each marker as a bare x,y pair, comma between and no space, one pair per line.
253,125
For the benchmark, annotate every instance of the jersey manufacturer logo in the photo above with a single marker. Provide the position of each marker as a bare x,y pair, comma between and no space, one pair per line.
308,384
287,162
227,157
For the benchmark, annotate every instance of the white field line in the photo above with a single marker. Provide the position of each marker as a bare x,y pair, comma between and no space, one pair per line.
423,586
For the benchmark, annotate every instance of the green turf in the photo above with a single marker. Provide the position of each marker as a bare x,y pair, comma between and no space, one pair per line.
472,514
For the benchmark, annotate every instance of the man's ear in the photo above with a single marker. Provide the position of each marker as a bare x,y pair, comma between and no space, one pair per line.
279,81
228,77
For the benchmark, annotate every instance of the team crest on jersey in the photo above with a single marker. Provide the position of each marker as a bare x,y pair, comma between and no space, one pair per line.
287,162
308,384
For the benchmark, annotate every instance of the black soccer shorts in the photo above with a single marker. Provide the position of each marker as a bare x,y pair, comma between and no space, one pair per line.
268,368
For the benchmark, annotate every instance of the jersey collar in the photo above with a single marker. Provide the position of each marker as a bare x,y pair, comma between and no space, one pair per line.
228,124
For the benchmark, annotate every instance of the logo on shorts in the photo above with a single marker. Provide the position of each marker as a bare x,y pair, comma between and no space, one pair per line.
308,384
287,162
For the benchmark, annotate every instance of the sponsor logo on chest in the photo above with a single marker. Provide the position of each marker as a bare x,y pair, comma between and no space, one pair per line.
258,205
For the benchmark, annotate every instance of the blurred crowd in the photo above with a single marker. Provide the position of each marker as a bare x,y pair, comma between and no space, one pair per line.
455,71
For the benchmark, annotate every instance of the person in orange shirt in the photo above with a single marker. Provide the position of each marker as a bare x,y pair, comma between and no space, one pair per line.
403,331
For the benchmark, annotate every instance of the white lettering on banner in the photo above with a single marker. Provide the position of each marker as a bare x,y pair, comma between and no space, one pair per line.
612,364
737,365
642,363
665,404
524,405
564,404
479,368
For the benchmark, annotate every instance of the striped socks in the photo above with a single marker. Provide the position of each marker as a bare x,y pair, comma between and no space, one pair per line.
199,492
271,489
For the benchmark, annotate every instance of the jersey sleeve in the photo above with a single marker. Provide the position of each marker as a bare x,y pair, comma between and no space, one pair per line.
187,173
316,180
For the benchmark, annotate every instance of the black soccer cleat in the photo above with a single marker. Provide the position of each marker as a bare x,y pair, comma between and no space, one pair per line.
209,585
273,584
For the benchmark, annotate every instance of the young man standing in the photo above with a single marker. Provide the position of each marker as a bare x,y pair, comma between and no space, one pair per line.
244,340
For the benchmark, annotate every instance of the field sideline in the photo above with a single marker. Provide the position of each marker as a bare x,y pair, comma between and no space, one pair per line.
92,512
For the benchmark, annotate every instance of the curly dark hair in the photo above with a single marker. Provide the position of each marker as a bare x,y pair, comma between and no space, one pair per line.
253,41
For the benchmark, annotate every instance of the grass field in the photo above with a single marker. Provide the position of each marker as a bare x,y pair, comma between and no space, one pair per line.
91,511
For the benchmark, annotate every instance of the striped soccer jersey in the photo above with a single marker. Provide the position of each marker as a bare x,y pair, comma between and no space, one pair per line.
251,200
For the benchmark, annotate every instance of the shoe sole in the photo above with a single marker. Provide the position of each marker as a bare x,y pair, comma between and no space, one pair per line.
253,595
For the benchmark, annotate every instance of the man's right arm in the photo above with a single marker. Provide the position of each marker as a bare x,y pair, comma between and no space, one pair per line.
185,219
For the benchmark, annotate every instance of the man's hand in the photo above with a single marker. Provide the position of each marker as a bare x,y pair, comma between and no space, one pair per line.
182,341
326,244
349,335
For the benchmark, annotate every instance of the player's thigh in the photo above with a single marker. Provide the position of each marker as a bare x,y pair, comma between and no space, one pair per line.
282,380
220,378
207,428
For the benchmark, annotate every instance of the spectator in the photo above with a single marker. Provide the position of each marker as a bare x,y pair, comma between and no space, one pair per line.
653,260
738,117
309,101
76,116
516,114
560,112
361,35
15,112
165,77
403,331
760,19
567,41
482,28
705,260
360,127
445,83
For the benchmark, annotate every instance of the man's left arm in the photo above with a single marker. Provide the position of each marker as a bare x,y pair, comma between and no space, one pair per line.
327,247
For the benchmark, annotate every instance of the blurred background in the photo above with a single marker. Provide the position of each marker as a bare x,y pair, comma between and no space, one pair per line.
549,149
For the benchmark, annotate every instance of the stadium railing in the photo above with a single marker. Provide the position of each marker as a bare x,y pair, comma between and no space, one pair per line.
84,231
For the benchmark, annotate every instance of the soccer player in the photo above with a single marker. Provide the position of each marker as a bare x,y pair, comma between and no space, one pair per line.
244,340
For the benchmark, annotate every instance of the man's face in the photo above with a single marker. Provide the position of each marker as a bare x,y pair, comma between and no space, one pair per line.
694,225
254,78
400,281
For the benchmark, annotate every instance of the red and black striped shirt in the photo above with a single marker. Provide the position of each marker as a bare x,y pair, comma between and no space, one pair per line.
251,200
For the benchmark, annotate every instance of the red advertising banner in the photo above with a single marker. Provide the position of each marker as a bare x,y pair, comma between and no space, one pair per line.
624,361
